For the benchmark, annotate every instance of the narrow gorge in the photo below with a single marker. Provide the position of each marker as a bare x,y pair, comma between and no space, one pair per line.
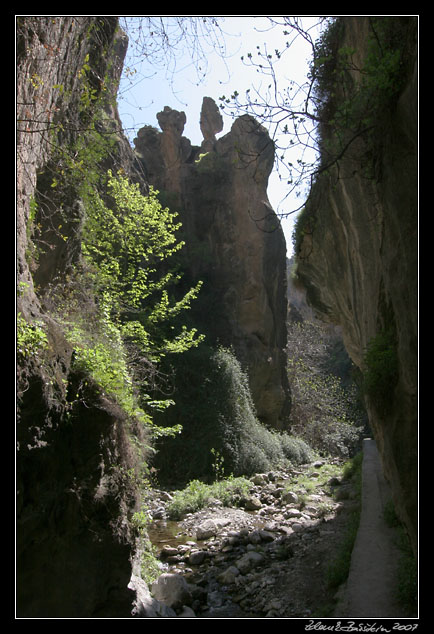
156,332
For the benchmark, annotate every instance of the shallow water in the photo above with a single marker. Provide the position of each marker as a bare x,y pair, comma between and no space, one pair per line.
166,532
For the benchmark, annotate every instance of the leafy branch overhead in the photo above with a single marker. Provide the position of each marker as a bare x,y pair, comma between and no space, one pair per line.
315,123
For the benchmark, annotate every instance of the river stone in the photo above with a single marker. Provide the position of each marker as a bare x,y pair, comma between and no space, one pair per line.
292,513
186,613
253,504
168,551
260,479
171,589
254,537
248,561
229,575
196,557
289,497
206,530
210,528
266,536
146,606
297,526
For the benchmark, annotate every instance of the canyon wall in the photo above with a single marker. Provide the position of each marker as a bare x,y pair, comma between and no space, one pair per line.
357,258
74,545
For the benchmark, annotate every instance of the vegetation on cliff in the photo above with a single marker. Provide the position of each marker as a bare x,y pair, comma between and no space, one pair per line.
97,306
356,240
213,403
102,312
133,320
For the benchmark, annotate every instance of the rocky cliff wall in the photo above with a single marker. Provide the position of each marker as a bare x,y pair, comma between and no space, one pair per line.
75,547
233,241
358,261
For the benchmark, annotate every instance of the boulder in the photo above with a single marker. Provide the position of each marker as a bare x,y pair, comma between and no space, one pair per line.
172,590
186,613
145,605
210,528
248,561
196,557
252,504
229,575
289,497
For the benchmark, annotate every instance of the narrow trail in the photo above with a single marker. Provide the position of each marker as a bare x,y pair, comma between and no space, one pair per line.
369,590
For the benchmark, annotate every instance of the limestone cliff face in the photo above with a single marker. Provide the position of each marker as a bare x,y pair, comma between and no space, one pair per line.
233,240
358,261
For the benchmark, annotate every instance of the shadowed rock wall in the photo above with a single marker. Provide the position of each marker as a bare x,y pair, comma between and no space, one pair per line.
74,545
358,261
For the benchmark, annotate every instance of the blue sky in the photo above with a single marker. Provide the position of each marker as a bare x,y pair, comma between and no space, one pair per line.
145,92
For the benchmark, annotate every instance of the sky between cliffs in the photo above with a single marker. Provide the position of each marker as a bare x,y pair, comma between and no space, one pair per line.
146,87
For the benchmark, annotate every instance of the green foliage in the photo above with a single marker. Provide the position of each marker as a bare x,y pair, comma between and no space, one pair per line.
150,566
308,220
115,307
124,241
198,495
352,98
325,412
218,466
381,369
100,353
221,432
31,338
126,244
304,225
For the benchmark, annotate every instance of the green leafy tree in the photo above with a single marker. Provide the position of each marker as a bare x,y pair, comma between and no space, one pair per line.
134,318
127,242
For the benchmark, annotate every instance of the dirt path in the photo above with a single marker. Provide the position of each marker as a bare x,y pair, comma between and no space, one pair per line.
369,590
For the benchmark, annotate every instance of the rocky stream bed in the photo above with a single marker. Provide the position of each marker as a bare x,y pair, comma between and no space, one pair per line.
268,559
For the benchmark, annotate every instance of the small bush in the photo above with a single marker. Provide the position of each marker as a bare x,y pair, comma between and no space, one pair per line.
31,338
295,450
197,495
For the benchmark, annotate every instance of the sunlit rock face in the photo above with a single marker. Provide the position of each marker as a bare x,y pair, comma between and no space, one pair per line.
233,240
358,262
